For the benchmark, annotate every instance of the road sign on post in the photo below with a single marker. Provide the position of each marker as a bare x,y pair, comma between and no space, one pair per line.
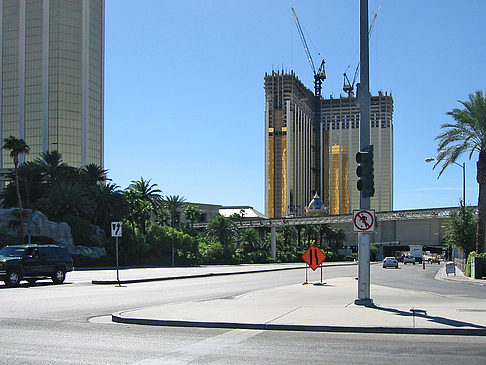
364,220
314,257
116,231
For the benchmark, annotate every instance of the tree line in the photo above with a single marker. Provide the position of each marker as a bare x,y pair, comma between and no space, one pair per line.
152,233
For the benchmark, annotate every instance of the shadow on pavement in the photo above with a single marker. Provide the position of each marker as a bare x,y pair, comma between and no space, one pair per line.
423,314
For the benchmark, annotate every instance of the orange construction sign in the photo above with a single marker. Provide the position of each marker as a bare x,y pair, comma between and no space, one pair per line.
314,257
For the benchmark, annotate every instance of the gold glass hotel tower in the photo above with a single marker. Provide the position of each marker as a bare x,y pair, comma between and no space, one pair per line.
311,144
51,85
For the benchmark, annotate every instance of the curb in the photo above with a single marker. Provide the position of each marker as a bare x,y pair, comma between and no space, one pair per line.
118,318
134,281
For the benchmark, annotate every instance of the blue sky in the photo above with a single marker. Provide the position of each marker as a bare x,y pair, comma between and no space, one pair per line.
184,98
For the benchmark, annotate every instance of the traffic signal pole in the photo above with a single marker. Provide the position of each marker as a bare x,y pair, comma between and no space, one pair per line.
363,96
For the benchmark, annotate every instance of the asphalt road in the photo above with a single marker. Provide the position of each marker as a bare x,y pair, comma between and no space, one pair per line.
69,324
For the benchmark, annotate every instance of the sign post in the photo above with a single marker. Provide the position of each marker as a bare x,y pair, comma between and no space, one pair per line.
313,257
116,231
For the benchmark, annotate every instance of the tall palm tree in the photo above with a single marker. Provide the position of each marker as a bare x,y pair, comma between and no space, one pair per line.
173,203
144,199
111,205
16,146
467,134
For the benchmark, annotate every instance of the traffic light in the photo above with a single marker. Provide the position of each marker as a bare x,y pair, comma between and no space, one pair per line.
365,172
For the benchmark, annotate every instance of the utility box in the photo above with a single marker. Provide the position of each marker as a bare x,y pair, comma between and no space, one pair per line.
477,267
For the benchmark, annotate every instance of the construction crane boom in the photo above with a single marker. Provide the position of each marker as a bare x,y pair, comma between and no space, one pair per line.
320,74
348,87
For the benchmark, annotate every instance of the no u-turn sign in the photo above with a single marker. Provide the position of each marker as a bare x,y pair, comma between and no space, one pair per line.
364,220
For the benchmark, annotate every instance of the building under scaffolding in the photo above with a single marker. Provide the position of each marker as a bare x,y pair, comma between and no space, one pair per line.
309,150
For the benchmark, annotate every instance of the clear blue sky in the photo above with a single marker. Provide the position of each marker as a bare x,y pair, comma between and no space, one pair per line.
184,98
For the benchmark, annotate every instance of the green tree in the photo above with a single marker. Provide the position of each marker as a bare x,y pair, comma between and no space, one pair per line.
16,146
67,198
94,174
111,205
288,233
339,237
51,165
143,199
467,134
223,230
193,214
173,203
311,232
461,229
249,239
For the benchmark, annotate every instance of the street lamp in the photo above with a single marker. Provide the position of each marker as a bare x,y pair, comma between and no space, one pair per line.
463,167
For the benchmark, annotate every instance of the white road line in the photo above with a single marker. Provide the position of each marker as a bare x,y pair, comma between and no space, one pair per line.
211,345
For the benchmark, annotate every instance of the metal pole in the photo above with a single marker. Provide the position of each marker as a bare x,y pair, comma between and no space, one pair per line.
273,240
364,141
464,183
117,267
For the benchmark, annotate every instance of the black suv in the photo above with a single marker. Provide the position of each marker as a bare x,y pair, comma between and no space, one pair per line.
33,262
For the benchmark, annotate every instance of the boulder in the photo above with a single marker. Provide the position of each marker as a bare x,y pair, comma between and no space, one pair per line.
36,224
93,252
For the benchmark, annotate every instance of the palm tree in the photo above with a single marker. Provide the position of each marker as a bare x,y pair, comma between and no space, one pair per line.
51,166
111,205
325,230
17,146
222,229
94,174
467,134
173,203
67,198
144,199
339,237
193,214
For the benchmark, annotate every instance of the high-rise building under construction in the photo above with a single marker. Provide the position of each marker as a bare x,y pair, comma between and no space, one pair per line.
51,77
310,146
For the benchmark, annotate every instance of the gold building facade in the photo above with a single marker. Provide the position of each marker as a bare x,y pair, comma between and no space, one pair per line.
304,156
51,84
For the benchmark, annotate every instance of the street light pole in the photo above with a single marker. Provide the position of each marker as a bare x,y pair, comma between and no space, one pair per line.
463,167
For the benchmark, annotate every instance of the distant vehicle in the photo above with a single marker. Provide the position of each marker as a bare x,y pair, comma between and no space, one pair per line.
434,260
408,260
416,251
390,262
399,258
34,262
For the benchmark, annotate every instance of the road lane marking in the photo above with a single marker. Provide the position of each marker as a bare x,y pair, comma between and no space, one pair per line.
211,345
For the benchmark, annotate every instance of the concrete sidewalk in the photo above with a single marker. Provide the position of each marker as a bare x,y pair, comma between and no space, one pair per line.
130,276
328,307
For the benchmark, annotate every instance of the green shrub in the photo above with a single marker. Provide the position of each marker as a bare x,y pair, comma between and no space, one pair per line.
472,254
80,230
215,253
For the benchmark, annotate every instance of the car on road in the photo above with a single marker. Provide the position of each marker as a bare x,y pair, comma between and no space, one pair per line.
408,260
34,262
434,260
390,262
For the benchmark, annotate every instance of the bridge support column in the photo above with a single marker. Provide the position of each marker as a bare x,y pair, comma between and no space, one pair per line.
273,240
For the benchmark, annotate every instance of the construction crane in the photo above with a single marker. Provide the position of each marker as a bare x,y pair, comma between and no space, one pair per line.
348,86
320,74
